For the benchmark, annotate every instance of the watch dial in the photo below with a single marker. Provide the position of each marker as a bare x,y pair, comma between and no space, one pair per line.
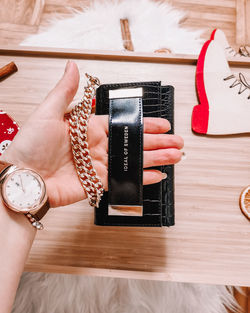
23,190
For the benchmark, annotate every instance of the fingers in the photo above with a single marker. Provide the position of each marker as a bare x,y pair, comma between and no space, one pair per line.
152,177
161,157
162,141
152,125
61,96
149,176
159,149
156,125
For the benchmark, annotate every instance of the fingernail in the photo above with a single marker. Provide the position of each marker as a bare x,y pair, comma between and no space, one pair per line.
67,66
183,156
164,175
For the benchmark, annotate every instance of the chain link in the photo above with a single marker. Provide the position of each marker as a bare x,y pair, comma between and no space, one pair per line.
78,126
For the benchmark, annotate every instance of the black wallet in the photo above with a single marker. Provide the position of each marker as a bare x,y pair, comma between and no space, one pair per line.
128,202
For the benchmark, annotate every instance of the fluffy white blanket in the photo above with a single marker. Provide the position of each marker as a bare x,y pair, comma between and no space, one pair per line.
153,25
55,293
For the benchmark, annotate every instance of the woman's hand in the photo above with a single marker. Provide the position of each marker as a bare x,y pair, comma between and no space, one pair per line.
43,144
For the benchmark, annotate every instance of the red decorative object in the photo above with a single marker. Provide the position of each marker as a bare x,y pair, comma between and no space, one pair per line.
223,107
213,34
200,114
8,130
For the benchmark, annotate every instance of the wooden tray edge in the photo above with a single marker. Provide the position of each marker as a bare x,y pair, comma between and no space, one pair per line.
110,55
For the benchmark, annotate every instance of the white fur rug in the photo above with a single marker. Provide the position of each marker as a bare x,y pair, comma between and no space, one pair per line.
153,26
54,293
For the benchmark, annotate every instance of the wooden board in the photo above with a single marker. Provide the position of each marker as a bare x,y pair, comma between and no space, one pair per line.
21,12
241,22
247,19
211,240
109,55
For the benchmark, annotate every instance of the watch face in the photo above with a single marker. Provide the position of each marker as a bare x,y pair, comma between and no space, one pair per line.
23,191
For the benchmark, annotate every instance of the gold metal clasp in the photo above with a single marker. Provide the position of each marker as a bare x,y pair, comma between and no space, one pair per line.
93,80
127,210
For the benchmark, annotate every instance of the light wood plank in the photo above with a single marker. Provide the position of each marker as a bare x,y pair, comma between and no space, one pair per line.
59,9
247,25
212,16
240,22
37,12
20,11
12,37
70,3
212,3
25,29
196,23
204,8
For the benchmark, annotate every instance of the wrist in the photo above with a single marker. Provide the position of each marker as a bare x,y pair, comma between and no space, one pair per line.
16,238
8,215
11,219
23,192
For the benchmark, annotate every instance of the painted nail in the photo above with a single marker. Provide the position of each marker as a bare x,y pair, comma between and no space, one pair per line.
67,66
164,175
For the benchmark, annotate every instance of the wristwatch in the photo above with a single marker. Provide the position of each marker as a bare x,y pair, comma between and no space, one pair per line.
24,191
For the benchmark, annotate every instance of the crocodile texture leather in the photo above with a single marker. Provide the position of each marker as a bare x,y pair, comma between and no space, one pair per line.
158,199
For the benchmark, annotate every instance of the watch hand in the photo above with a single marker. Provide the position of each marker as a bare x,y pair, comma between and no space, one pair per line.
21,183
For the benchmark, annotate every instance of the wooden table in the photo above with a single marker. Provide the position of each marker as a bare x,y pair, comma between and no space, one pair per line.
210,242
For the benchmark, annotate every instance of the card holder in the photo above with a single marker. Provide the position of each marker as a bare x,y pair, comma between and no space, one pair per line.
128,202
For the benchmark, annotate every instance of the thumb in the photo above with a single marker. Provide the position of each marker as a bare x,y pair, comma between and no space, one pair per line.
61,96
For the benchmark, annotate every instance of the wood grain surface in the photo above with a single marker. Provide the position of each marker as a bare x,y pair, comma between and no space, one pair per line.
247,19
23,12
108,55
210,242
242,22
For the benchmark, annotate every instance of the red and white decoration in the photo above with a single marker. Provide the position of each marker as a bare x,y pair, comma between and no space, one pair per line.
8,130
224,98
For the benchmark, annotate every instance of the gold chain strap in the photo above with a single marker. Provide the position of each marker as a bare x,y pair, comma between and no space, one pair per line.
78,125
